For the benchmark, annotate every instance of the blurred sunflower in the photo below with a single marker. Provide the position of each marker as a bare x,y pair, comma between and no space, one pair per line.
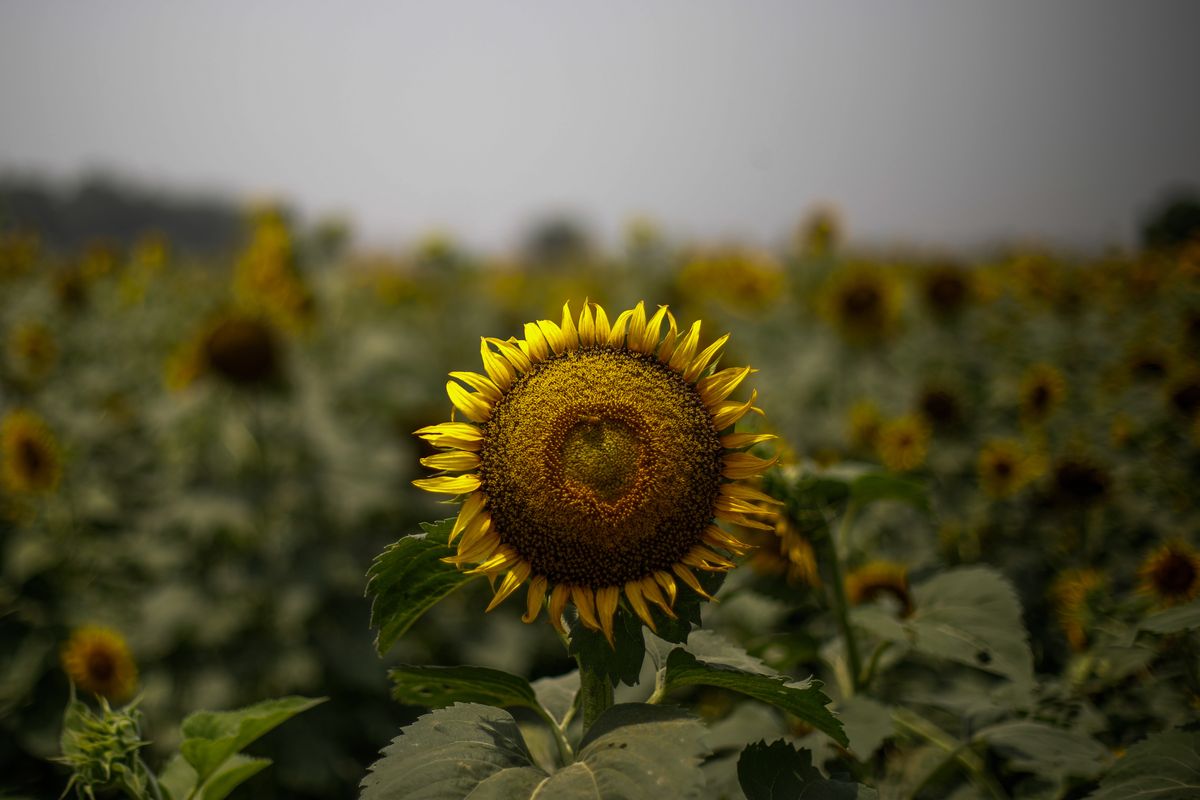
740,278
97,660
18,252
1043,389
1171,574
863,423
1146,362
877,579
32,350
267,280
1079,481
787,552
1183,394
863,303
1078,596
946,290
941,407
30,460
1005,467
903,443
239,349
820,233
594,462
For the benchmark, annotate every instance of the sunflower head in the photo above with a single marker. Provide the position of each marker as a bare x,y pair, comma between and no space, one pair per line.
595,458
903,443
267,280
1147,362
941,407
1171,574
740,278
1078,596
1079,481
946,289
863,304
241,350
97,660
1005,467
32,350
1043,389
877,579
1183,394
18,252
788,552
30,460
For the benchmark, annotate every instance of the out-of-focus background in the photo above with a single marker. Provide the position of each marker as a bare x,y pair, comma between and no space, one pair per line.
242,244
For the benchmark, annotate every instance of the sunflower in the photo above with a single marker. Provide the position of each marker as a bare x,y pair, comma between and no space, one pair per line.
941,407
863,304
903,443
242,350
595,458
819,233
1005,467
97,660
740,278
1183,394
18,252
1077,595
1043,389
30,461
787,552
1079,482
32,350
1171,574
863,424
946,289
267,280
878,579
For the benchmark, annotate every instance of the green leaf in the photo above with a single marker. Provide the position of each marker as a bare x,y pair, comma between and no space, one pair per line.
1045,750
868,724
557,695
235,771
620,662
408,578
1174,620
874,486
437,687
1165,766
211,737
466,749
778,771
178,778
970,615
804,700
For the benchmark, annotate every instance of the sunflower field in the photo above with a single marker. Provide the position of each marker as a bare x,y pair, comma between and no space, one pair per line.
690,519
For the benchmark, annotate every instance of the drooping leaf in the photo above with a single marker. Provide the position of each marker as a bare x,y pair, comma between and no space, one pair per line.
557,694
804,699
620,662
778,771
1045,750
1165,766
438,687
1174,620
211,737
409,578
236,770
447,754
874,486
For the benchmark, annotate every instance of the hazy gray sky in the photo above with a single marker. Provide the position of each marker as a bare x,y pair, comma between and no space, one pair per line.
947,122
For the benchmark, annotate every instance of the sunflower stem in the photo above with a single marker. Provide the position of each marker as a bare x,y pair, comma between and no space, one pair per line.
595,693
841,608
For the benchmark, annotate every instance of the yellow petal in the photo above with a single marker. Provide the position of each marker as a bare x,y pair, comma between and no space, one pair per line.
587,326
539,348
602,327
739,466
504,558
633,591
496,367
570,335
637,326
685,575
698,364
513,354
554,336
479,383
535,598
474,532
736,441
459,435
741,491
558,603
585,601
470,509
741,519
728,413
515,577
719,385
479,551
459,484
616,335
606,607
667,348
667,583
651,592
473,406
702,557
454,461
684,351
649,339
727,541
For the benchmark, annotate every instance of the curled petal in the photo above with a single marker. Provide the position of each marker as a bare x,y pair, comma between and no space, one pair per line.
473,406
616,335
651,592
667,583
480,384
736,441
633,591
667,348
740,491
728,413
504,558
470,509
718,386
496,367
684,574
702,557
585,601
606,607
459,484
649,339
558,604
534,598
685,349
727,541
519,361
515,577
696,368
743,465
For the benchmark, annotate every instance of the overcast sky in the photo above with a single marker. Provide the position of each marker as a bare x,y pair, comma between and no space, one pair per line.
951,122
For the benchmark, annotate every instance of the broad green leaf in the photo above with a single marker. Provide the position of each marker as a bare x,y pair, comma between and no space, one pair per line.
235,771
210,737
1174,620
868,724
437,687
557,694
970,615
777,771
620,662
178,778
1045,750
450,753
804,700
1165,766
874,486
408,578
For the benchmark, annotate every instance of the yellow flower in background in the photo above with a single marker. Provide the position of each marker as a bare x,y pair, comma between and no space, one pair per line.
30,461
18,252
1077,595
863,424
593,461
1043,389
740,278
1171,574
98,661
787,552
820,233
267,280
1005,467
239,349
32,350
877,579
946,289
862,302
1079,481
941,407
1183,394
903,443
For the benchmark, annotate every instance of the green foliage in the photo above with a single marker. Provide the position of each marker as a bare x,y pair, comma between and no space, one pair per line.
778,771
620,662
1165,766
1174,620
437,687
408,578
